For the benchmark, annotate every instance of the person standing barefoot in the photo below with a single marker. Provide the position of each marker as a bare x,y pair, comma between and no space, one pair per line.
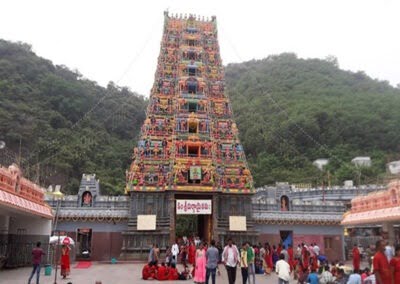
65,268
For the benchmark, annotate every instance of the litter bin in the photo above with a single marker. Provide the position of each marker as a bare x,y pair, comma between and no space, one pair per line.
47,270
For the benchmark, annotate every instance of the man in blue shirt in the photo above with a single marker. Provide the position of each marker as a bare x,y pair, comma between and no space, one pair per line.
212,256
312,277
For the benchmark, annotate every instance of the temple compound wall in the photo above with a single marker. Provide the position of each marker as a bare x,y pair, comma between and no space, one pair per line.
289,214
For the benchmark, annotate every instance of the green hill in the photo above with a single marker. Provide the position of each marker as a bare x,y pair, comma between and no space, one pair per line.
66,125
290,111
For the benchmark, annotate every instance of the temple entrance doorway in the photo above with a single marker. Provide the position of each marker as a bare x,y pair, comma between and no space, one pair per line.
286,238
84,243
193,216
187,225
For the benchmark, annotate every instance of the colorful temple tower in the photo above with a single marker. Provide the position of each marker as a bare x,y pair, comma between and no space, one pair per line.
189,159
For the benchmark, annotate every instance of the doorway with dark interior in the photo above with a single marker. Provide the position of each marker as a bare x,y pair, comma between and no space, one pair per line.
193,217
84,243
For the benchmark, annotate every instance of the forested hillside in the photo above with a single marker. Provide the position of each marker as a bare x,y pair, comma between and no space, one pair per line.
66,125
291,111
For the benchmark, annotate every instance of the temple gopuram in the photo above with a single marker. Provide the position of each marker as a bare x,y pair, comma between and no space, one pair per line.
189,159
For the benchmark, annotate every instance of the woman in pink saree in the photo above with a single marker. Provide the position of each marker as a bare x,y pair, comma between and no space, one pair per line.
200,265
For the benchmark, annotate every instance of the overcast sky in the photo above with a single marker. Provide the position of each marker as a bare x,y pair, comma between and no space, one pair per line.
119,40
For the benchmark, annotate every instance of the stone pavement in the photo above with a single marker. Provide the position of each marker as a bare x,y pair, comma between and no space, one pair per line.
121,273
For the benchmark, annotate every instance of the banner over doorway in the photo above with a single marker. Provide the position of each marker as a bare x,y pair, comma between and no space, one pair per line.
193,206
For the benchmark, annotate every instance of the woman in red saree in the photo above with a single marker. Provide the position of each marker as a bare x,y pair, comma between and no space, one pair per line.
146,271
291,257
268,259
65,268
192,252
395,265
306,260
356,258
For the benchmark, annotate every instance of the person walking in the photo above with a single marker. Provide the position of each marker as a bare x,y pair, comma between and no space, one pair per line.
230,258
243,263
250,263
200,265
37,254
152,255
212,256
282,268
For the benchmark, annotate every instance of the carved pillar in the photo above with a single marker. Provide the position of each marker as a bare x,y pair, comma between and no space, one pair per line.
388,233
172,217
214,232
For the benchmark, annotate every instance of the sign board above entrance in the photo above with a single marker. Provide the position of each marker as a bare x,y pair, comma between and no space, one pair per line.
193,206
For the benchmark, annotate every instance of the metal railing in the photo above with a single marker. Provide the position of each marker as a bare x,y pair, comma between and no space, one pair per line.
19,254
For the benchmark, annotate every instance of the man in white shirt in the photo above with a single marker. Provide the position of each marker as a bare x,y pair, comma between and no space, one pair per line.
354,278
389,252
282,268
230,257
326,277
175,252
285,253
316,249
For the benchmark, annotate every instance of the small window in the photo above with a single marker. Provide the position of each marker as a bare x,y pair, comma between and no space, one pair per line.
193,151
193,127
192,88
192,71
191,55
192,107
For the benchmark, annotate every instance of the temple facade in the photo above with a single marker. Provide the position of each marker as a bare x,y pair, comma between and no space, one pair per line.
374,216
98,223
25,218
189,159
94,221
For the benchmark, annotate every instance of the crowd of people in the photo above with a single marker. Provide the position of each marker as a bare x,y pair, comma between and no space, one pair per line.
305,264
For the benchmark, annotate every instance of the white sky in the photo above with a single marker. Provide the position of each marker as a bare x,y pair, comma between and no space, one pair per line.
119,40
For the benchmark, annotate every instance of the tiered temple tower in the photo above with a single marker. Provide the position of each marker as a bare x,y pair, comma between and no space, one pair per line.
189,147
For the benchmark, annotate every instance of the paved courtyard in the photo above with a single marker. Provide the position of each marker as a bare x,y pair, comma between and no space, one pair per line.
110,274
